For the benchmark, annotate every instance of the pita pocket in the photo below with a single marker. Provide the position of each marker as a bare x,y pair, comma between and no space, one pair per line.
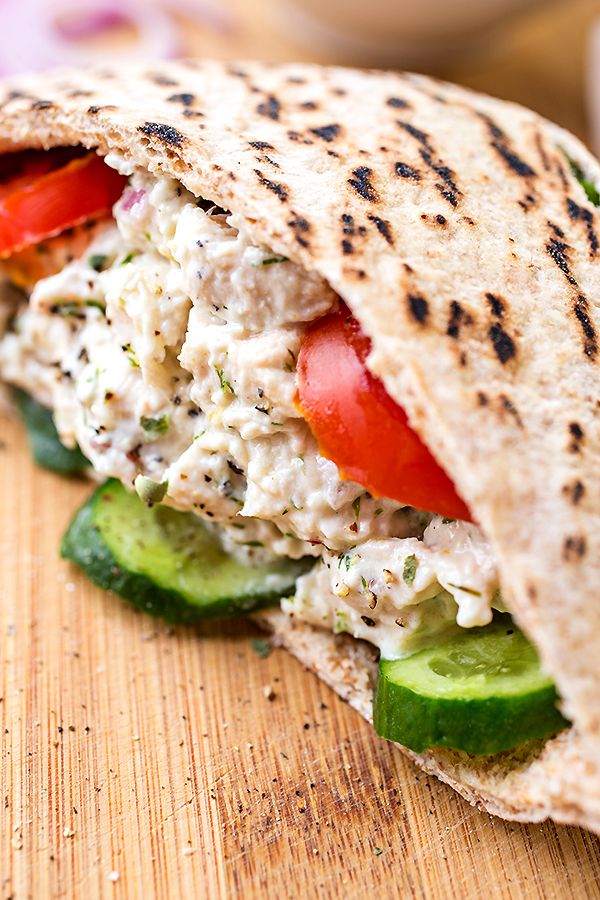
461,233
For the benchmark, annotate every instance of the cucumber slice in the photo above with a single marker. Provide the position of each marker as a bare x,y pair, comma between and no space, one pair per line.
46,448
168,563
482,691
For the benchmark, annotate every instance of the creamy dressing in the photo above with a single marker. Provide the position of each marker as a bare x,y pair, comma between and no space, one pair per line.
169,350
402,594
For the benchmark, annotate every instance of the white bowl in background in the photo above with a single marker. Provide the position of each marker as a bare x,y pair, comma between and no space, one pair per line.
407,33
593,87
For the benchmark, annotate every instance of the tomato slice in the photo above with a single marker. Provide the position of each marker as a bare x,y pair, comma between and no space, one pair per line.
44,193
26,267
21,168
359,426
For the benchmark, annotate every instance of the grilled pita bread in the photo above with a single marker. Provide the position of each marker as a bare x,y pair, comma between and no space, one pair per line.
452,225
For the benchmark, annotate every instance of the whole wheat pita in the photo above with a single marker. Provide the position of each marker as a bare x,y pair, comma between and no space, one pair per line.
454,228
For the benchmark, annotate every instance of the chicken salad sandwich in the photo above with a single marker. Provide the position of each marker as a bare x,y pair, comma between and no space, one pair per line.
330,337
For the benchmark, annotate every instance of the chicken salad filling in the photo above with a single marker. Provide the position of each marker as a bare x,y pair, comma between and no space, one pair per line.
168,350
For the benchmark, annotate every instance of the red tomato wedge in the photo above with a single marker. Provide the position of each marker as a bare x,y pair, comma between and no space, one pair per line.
42,193
358,425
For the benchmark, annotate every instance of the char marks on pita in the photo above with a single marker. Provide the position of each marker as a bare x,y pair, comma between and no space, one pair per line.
453,227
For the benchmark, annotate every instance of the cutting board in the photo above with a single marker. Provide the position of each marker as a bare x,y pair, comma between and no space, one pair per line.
144,761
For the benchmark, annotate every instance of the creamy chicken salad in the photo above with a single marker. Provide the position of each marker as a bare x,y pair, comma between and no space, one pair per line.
168,350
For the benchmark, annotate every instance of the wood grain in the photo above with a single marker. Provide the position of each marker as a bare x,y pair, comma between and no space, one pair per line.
142,761
152,755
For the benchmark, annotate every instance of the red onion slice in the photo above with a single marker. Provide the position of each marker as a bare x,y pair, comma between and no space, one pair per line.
91,23
131,198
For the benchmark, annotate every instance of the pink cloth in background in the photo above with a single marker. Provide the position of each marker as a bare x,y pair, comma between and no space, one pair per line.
40,34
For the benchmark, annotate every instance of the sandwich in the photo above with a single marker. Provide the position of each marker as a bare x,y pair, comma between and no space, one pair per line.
330,342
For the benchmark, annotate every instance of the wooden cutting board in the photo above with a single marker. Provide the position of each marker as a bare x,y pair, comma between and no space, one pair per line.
143,761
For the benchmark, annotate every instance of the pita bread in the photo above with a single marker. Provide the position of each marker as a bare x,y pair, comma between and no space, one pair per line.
544,779
453,227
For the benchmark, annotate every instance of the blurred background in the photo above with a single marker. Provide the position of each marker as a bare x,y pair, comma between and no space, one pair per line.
543,53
